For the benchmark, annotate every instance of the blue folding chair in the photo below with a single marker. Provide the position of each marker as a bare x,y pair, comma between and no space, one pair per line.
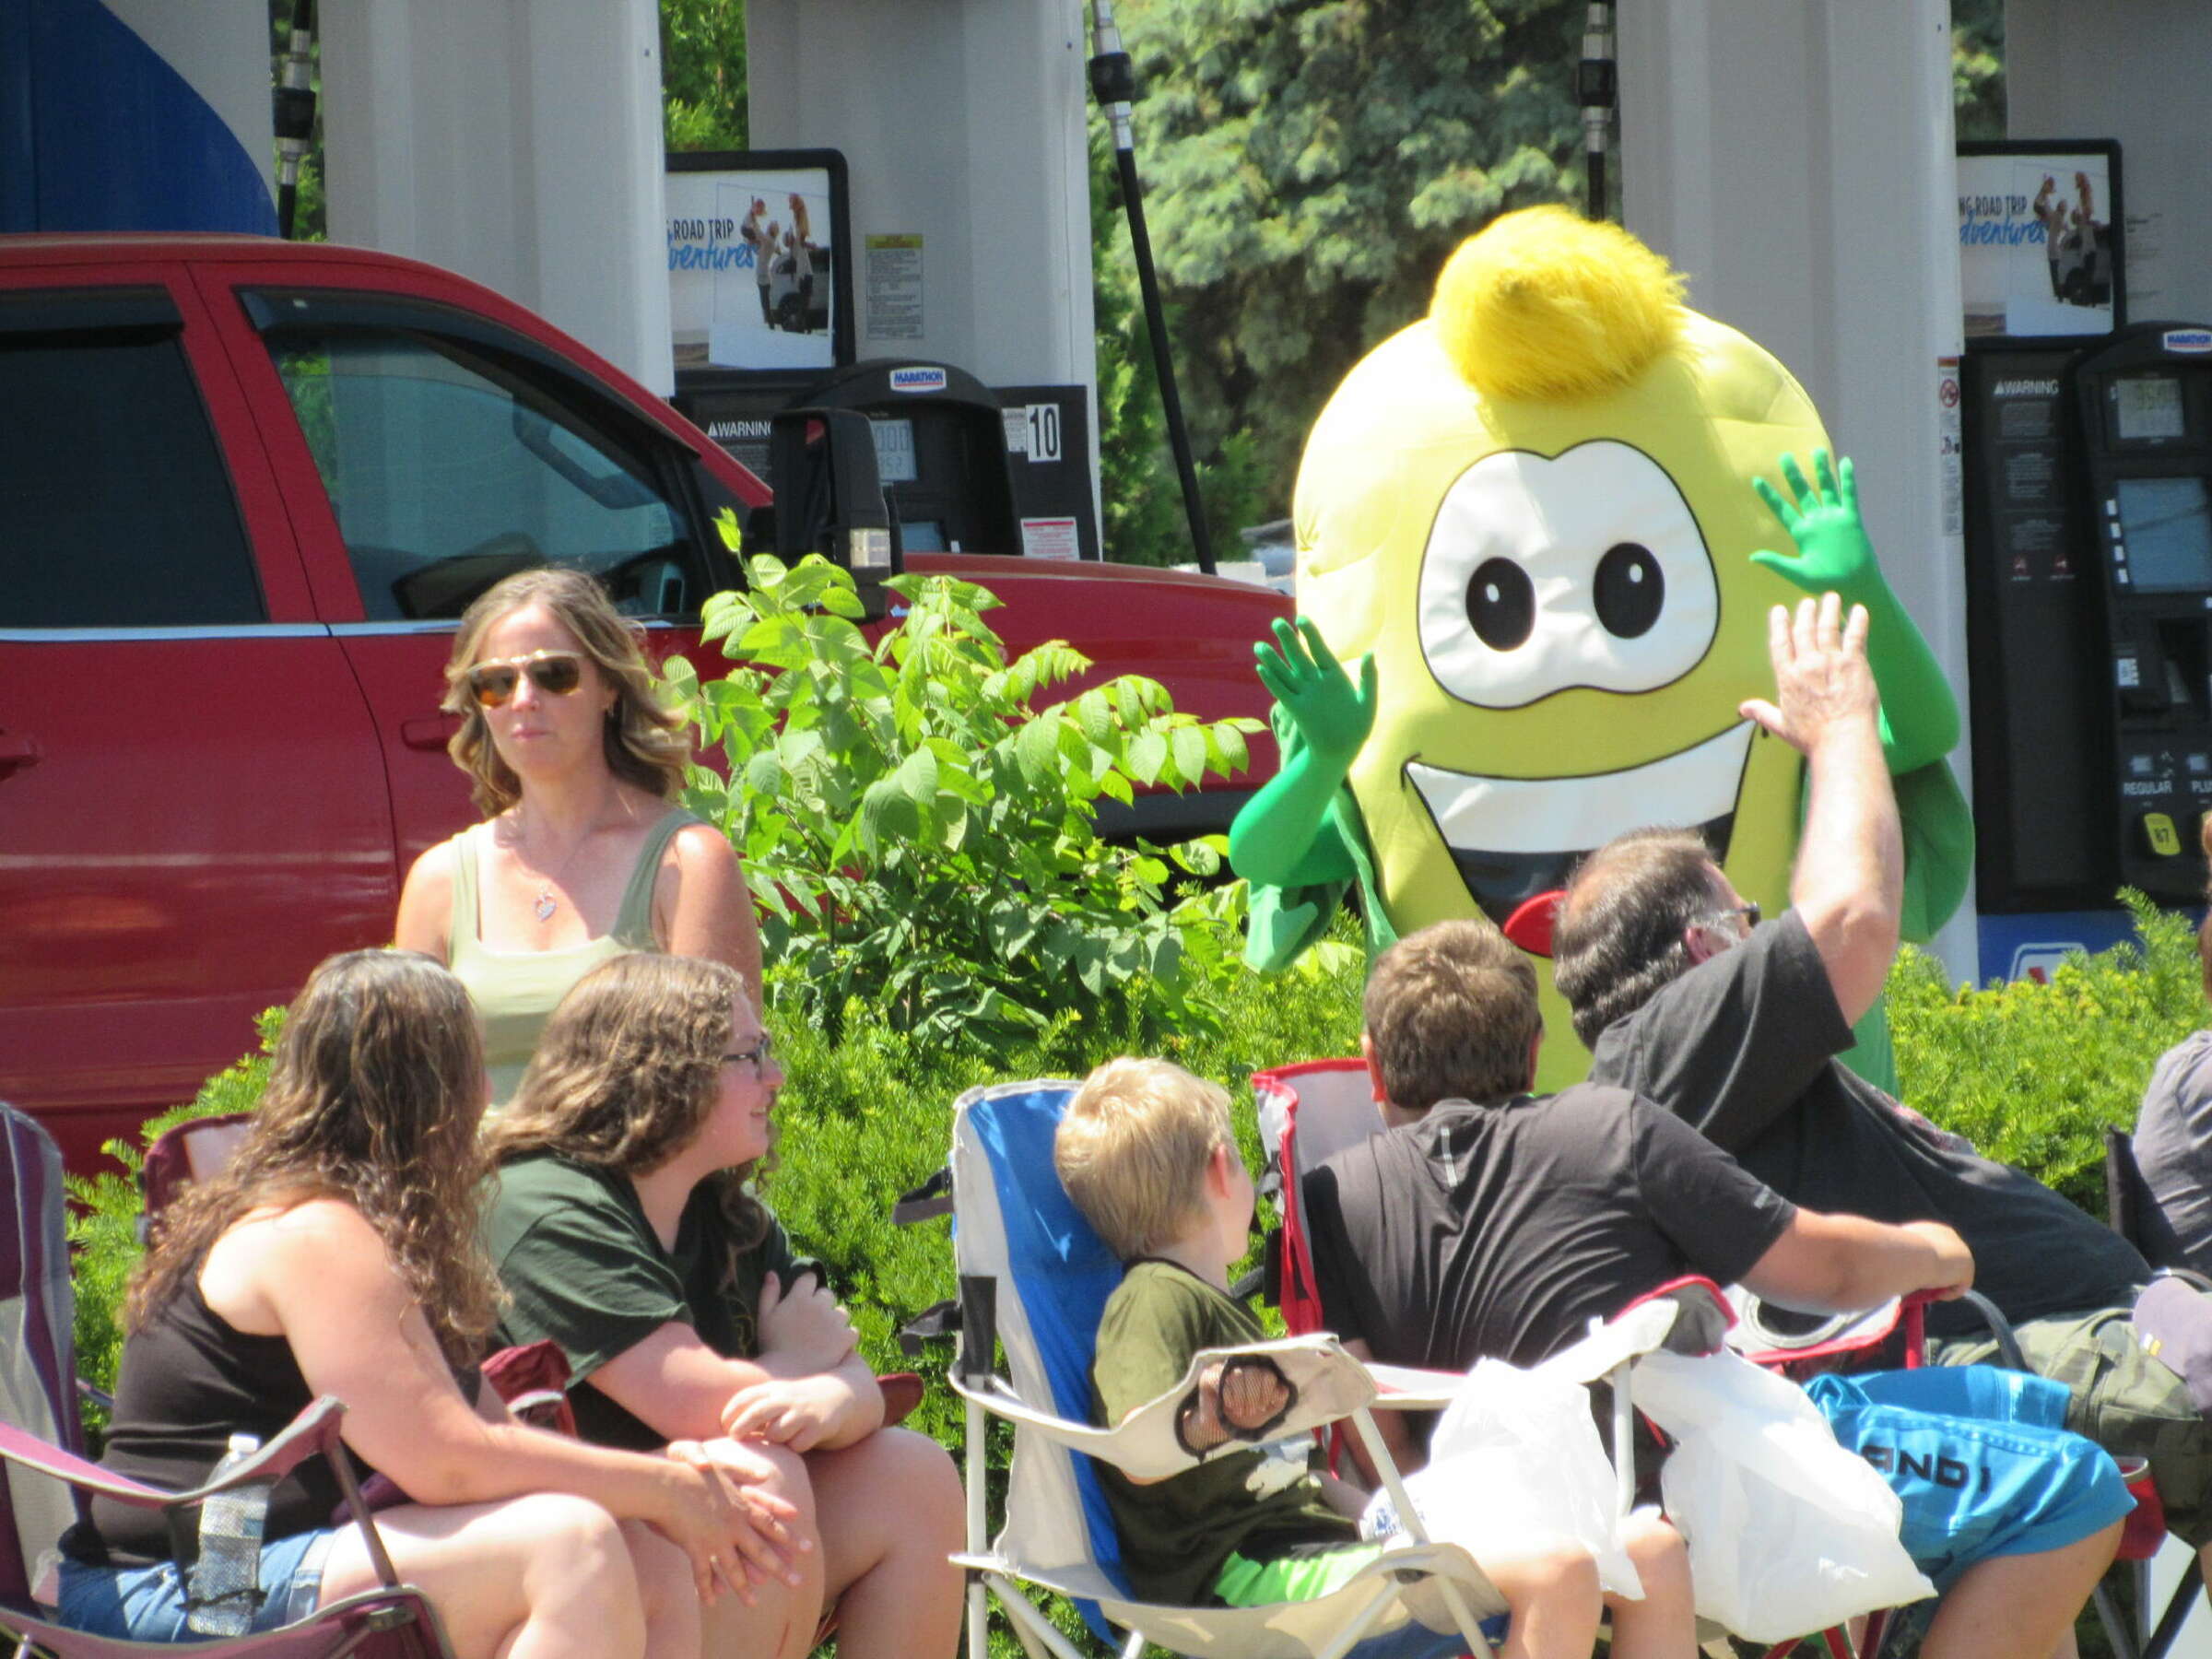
1034,1279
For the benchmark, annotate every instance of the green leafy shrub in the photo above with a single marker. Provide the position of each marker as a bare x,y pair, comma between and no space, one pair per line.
2030,1072
922,837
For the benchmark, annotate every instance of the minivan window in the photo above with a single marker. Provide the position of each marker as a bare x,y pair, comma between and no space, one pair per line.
447,470
116,510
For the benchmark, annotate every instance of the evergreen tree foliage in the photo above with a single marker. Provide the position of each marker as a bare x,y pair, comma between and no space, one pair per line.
702,74
1978,68
1307,166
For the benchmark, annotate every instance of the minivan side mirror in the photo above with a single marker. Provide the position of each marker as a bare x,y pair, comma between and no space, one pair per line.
829,497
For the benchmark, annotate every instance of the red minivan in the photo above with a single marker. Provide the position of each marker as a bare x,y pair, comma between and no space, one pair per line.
246,487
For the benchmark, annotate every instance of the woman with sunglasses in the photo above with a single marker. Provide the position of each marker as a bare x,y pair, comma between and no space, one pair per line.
623,1227
582,855
338,1254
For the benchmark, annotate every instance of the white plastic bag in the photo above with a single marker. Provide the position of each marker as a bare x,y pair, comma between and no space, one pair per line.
1515,1464
1788,1531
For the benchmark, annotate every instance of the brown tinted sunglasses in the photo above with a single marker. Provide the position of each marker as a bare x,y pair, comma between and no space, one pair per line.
555,673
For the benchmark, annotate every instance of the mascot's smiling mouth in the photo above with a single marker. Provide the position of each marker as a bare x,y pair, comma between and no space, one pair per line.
1514,838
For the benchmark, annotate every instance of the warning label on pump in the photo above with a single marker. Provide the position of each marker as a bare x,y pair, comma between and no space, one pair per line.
1950,447
1050,538
892,283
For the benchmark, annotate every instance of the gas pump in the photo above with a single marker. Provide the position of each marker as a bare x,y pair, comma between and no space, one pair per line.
762,279
2089,577
965,468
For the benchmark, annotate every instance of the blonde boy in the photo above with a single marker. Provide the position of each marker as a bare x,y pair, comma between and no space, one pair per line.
1148,1154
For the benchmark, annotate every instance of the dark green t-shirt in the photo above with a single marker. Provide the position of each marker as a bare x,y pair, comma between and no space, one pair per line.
1176,1533
581,1265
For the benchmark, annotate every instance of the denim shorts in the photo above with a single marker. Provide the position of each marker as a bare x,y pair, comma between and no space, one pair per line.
146,1603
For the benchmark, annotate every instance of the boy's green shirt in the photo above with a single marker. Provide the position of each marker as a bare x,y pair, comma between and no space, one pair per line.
1176,1534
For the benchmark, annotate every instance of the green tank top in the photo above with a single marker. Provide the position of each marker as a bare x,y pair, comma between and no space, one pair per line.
516,992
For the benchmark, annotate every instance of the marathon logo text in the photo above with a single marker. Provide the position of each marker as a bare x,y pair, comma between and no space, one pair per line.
1946,1472
2190,341
917,380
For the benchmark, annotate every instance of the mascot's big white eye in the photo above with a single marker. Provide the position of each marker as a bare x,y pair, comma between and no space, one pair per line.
1586,570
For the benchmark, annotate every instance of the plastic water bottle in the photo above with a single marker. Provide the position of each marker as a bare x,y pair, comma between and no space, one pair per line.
229,1571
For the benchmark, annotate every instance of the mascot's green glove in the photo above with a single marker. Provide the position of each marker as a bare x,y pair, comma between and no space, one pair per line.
1920,718
1283,837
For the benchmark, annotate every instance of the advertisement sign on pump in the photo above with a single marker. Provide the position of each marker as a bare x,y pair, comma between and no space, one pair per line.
759,269
2040,238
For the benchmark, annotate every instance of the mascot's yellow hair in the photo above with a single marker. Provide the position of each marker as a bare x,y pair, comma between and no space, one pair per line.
1543,305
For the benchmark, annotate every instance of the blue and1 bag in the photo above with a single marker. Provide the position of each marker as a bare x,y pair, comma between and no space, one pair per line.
1980,1458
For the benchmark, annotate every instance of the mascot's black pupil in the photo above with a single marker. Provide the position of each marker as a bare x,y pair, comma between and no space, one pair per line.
1629,590
1501,603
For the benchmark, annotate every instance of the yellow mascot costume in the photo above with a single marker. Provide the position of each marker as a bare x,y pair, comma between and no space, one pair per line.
1532,515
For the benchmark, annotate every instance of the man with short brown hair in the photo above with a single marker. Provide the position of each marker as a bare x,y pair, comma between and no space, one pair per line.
1456,1011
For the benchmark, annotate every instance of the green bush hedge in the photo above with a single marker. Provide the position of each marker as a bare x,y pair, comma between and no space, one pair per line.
2033,1074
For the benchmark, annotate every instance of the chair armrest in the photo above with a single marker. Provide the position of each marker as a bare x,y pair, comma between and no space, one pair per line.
1326,1385
314,1431
902,1392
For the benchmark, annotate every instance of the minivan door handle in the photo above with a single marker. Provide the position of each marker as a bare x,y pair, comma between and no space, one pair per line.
429,731
18,750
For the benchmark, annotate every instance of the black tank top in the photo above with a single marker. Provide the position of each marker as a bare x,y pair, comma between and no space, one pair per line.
187,1383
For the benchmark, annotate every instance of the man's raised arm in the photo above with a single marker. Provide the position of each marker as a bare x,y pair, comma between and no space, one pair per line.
1848,884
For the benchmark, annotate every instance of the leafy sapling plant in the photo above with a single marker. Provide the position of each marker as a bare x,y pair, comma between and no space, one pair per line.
922,836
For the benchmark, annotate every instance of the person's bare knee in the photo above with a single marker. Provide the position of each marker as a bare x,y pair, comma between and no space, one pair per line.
892,1512
782,1473
1663,1623
1653,1545
929,1485
1564,1577
668,1592
852,1484
2009,1605
576,1553
1552,1592
551,1565
776,1618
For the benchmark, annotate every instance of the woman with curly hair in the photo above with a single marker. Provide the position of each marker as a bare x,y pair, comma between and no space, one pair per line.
582,855
623,1227
338,1255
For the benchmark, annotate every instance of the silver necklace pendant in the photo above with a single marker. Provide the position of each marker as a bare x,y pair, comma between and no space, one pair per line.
547,904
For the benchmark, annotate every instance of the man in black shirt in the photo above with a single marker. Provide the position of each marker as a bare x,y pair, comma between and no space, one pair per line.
1733,1027
1489,1221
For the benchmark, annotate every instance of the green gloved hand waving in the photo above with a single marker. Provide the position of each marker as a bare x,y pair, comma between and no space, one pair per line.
1833,553
1920,716
1284,837
1302,673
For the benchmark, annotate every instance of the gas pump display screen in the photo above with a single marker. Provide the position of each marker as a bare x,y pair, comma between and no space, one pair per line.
894,450
2147,406
2167,524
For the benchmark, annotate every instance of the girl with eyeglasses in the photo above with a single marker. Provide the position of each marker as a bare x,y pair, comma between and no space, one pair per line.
623,1225
582,855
